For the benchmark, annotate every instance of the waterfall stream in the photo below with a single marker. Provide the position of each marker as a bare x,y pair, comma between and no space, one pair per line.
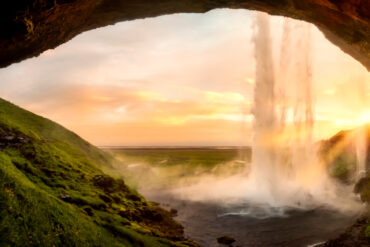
285,169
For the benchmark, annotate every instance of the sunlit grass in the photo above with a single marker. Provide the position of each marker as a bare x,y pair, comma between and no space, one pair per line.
52,163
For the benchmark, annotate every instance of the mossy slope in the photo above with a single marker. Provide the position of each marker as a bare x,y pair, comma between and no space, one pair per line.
53,193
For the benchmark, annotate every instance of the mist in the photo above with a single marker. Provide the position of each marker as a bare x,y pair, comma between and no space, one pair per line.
283,171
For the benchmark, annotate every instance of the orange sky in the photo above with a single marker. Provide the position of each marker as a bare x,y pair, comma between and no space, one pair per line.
184,79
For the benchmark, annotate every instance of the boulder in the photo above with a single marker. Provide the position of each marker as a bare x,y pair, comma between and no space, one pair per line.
226,240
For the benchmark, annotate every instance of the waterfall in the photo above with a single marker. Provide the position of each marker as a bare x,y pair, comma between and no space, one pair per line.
263,154
361,151
285,170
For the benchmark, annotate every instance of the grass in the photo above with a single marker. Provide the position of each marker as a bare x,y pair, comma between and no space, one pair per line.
343,166
194,157
44,130
54,193
32,217
157,168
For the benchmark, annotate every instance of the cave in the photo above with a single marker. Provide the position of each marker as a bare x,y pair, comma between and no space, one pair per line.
34,27
31,27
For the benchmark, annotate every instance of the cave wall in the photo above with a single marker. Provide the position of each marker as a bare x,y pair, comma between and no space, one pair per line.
30,27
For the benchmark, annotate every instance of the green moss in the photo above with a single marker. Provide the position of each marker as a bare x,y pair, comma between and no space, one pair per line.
367,231
343,166
32,217
49,194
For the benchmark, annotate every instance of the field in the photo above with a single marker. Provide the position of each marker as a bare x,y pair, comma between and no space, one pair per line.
145,168
206,157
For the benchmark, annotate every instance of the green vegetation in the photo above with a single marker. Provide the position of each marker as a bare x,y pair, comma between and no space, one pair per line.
53,192
342,163
367,231
339,153
193,157
343,166
157,168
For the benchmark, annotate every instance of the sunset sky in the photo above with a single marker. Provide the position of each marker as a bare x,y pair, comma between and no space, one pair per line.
184,79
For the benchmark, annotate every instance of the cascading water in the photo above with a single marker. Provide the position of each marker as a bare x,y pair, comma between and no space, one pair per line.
361,135
361,151
263,159
285,170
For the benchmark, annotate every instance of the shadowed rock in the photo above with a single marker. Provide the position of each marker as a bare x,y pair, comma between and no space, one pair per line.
226,240
30,27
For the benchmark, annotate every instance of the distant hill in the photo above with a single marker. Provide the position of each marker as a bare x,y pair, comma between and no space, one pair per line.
340,153
53,192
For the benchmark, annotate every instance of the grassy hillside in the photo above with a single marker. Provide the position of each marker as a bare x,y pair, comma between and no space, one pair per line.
53,193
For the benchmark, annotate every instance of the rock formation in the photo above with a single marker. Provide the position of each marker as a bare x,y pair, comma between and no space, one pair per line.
30,27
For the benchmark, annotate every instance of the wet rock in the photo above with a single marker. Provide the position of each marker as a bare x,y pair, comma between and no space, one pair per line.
89,211
130,215
173,212
65,197
10,138
116,199
109,184
125,222
133,197
226,240
355,235
103,181
363,188
105,198
23,140
125,214
121,186
47,172
152,215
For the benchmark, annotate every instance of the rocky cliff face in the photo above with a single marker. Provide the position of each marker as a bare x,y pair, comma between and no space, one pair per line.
30,27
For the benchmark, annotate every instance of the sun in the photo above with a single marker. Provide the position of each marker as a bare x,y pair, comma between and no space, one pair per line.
365,117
